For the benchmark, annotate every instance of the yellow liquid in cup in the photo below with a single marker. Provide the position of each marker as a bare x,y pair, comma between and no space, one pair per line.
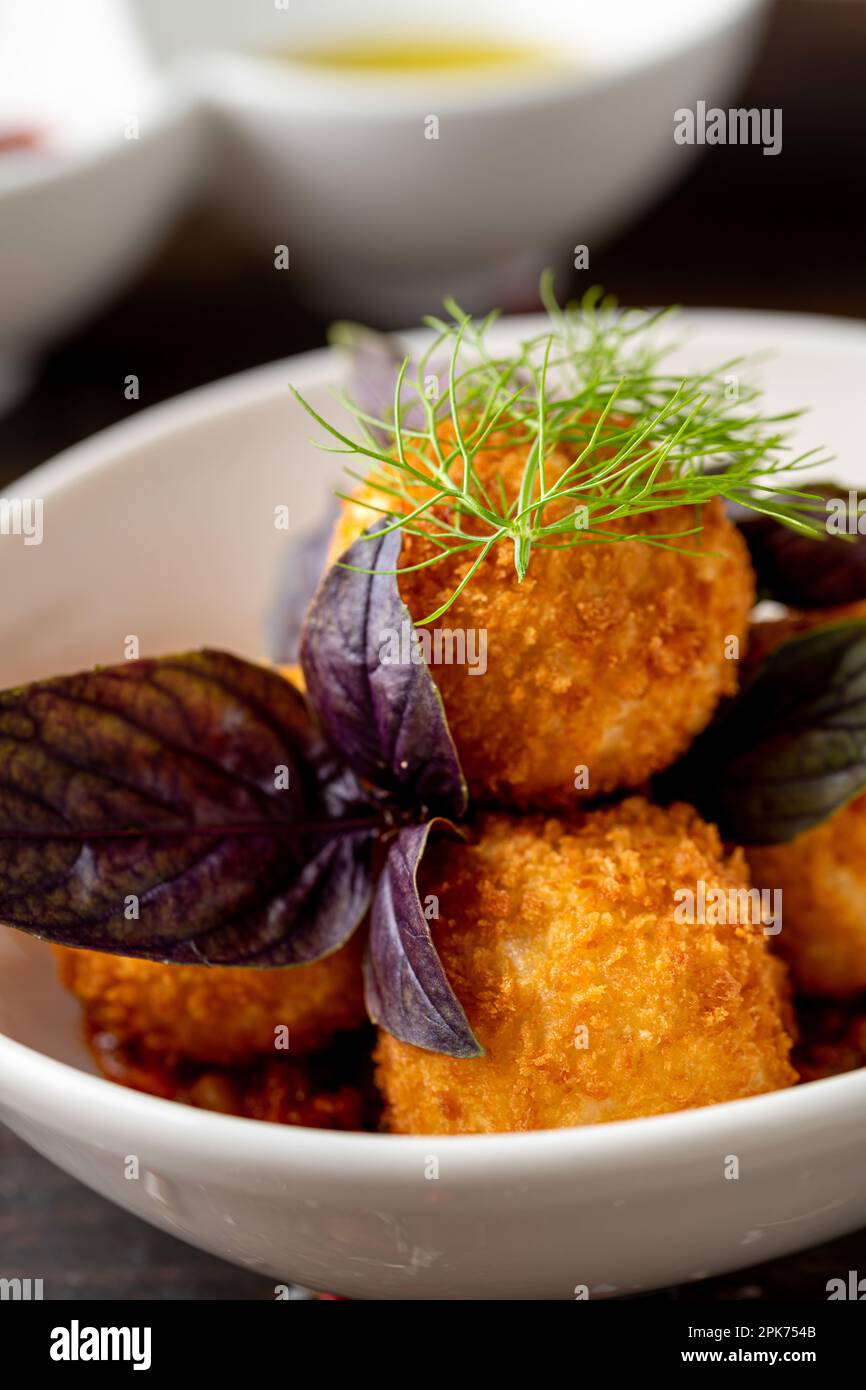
426,56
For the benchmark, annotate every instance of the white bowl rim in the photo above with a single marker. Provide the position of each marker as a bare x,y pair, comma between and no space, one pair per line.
256,384
33,1082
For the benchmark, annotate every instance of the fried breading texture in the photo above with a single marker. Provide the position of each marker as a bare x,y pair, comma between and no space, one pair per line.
822,877
223,1015
592,1002
609,657
821,873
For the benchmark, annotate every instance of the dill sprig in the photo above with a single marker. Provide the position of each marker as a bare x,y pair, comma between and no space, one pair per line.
639,439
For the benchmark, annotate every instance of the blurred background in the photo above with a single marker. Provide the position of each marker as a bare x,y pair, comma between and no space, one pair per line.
736,229
155,156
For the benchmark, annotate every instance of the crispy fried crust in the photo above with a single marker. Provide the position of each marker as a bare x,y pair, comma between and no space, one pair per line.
822,877
822,873
547,929
608,656
221,1015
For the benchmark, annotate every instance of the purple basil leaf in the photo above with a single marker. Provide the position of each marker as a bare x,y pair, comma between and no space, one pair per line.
301,570
374,364
144,811
406,988
806,571
790,750
386,720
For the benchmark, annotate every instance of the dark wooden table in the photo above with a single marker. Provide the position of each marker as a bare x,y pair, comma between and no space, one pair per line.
745,230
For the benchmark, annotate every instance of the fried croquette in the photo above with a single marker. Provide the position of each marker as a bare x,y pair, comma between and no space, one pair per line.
601,666
222,1015
821,873
822,878
591,1000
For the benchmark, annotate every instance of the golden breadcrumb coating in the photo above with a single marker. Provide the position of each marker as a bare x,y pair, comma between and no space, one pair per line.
822,877
592,1002
219,1014
609,657
821,873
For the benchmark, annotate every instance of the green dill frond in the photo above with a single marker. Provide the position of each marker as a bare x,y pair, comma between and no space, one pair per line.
592,385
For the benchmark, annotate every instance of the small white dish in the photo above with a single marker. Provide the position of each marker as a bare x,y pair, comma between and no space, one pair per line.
379,221
391,190
163,527
73,231
116,148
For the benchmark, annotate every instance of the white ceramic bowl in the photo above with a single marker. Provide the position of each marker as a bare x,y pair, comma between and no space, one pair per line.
162,527
381,220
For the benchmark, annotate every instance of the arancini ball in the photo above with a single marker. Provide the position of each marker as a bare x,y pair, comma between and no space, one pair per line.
591,1000
601,666
821,873
221,1014
822,878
